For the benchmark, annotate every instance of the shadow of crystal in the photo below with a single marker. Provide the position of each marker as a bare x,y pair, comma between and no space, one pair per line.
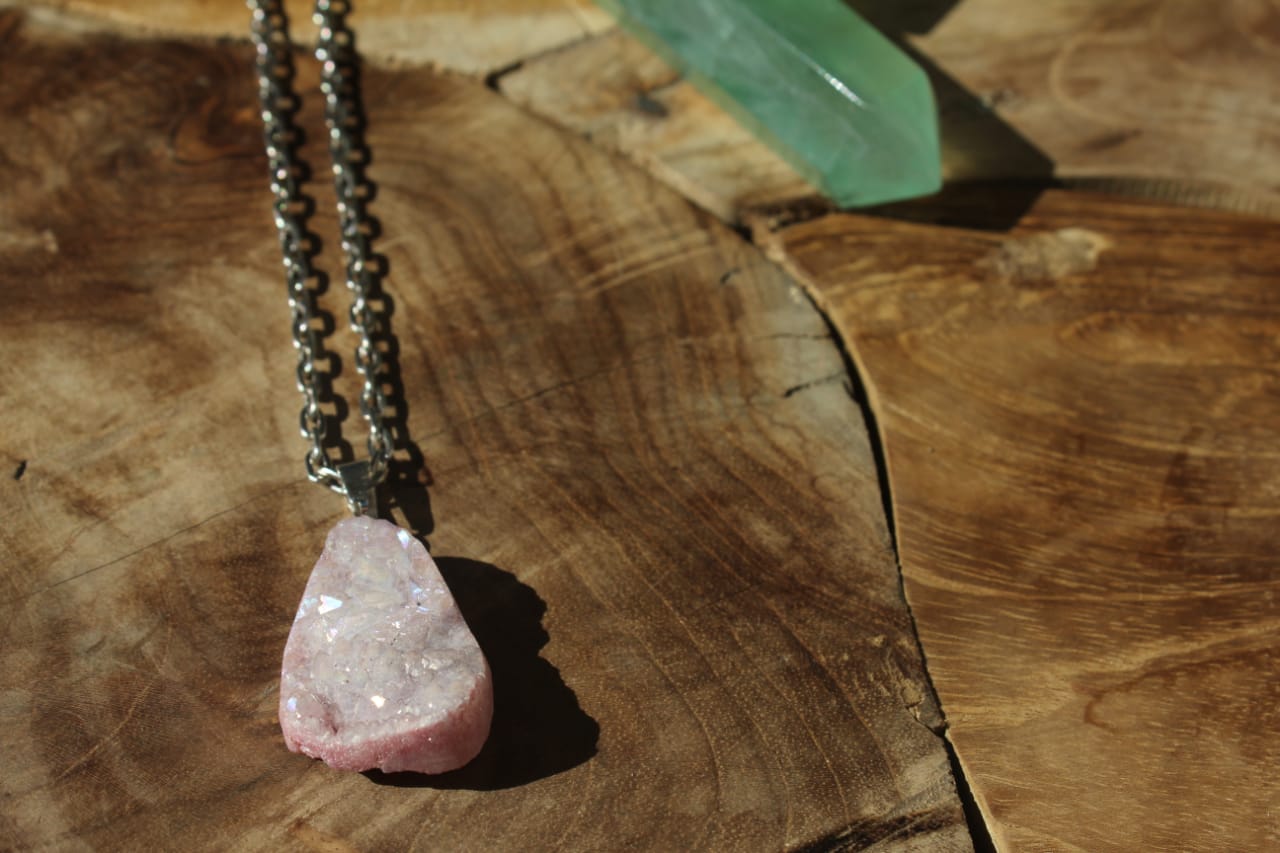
539,729
979,147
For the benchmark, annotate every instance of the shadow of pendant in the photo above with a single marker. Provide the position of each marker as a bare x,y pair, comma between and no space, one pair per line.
538,729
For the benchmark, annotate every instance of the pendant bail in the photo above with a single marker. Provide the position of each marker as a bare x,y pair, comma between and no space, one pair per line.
359,488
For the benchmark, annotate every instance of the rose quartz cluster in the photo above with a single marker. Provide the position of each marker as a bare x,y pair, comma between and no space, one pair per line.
380,669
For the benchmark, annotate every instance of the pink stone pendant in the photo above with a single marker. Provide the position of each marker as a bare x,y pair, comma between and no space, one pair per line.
380,669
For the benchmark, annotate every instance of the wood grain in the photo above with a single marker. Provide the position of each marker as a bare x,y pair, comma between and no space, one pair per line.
1079,421
649,487
622,96
472,38
1172,99
1168,99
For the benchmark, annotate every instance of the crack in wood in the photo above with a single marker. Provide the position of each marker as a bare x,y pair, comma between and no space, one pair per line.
804,386
979,831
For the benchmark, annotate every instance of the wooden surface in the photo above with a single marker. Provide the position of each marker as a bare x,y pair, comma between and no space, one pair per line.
1167,99
457,35
1079,418
649,487
1163,99
663,502
619,94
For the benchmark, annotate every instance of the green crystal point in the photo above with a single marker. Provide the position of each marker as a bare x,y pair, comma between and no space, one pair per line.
849,110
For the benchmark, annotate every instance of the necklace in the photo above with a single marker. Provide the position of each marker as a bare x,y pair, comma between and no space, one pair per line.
380,670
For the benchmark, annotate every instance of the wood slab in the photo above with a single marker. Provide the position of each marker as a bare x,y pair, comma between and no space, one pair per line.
459,35
1164,100
1172,100
648,486
1079,418
622,96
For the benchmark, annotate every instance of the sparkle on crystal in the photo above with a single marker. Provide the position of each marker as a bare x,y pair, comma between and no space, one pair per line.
380,657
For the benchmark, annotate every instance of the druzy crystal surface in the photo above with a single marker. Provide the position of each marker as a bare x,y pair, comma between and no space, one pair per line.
848,109
380,669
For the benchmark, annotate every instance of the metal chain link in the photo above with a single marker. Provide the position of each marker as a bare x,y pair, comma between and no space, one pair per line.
335,52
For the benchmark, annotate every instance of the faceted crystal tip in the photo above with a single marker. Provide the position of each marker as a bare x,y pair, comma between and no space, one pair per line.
844,105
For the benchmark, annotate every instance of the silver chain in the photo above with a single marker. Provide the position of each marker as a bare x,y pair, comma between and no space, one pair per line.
336,54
